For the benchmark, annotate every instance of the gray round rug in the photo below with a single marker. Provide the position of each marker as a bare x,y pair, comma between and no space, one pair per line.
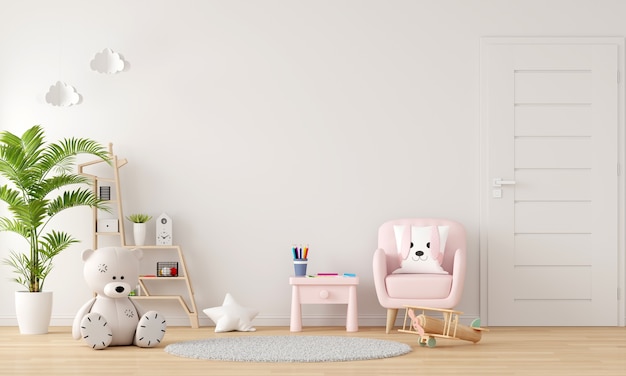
288,349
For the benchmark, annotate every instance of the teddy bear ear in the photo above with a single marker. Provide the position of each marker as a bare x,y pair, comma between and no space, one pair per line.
137,252
87,253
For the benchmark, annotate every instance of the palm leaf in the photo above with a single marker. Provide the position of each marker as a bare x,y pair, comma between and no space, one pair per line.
10,196
75,198
15,226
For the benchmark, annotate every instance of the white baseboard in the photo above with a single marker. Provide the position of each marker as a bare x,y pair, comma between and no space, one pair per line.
260,320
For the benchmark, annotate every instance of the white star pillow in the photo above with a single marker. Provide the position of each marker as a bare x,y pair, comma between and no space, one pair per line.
231,316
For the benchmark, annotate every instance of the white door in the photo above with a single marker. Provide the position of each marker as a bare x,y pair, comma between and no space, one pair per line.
549,117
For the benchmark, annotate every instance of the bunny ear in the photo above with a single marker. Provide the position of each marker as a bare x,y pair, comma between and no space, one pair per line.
435,244
406,242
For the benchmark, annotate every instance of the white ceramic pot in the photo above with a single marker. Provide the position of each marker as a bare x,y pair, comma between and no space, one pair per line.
33,311
139,233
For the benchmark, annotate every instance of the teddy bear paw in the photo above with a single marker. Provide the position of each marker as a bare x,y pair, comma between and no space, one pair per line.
150,330
95,331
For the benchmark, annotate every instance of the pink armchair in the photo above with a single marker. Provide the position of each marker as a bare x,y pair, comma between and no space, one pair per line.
394,291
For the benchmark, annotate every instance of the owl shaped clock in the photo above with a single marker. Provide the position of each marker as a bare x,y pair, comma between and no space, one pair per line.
164,230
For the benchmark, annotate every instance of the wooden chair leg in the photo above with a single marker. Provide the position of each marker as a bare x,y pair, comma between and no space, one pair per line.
392,313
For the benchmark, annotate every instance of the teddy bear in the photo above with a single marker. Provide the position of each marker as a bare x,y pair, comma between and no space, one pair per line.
111,318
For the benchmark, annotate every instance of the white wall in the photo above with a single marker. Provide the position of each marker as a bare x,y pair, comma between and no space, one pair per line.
257,124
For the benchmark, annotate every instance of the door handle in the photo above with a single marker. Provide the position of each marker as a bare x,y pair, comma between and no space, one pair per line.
498,182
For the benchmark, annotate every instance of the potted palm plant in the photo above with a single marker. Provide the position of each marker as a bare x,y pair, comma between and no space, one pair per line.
139,221
39,183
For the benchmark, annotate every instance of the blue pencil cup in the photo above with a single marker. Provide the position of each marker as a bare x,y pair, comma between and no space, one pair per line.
299,266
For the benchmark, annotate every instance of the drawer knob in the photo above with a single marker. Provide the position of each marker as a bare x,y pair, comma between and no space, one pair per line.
323,294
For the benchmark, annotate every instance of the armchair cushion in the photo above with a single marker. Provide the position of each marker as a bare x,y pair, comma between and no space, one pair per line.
420,249
418,286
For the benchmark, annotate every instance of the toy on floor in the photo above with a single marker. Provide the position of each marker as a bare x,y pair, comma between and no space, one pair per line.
231,316
111,318
429,328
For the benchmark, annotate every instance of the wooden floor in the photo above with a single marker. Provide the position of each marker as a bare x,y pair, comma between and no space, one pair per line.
502,351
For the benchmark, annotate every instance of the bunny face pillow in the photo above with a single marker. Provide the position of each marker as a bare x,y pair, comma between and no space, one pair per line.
421,249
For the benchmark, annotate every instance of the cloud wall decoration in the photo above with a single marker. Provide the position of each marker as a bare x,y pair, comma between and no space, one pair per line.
62,94
107,62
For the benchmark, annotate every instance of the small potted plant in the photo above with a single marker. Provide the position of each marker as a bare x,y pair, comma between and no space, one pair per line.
139,221
40,183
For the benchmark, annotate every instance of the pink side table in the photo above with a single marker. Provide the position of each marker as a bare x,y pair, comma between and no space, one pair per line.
324,290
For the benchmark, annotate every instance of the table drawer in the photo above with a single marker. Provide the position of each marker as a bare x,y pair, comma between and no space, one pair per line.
324,294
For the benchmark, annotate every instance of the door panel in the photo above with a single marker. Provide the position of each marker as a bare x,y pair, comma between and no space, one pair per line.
551,115
532,312
552,249
566,120
553,152
553,87
555,217
542,56
547,184
530,282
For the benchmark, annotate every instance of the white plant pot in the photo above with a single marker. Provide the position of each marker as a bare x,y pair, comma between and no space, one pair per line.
33,311
139,233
